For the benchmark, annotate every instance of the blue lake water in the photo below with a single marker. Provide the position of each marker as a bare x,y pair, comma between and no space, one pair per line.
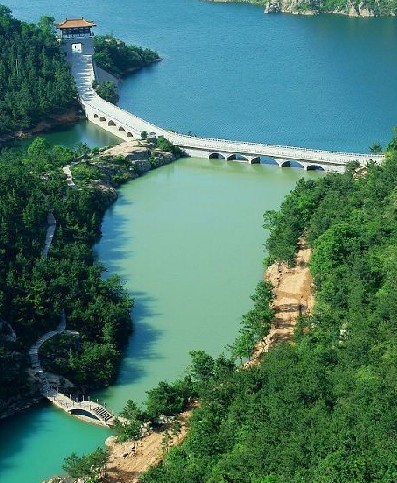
231,71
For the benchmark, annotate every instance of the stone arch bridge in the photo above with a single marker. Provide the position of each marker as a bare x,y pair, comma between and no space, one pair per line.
127,126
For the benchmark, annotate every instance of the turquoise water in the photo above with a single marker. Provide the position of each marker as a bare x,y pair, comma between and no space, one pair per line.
34,444
187,238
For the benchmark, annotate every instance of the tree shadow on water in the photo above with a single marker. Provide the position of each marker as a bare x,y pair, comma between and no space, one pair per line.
142,342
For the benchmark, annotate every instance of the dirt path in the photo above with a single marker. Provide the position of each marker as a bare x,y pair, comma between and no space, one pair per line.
293,297
129,460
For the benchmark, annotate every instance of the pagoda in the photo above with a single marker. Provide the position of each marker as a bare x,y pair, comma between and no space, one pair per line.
74,28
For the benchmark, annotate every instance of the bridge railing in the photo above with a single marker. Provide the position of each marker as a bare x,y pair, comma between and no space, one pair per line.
209,143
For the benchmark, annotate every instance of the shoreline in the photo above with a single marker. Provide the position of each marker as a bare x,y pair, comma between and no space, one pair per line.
293,297
138,157
127,461
51,123
293,290
292,7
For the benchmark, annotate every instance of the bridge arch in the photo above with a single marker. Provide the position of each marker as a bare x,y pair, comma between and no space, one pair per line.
216,155
267,160
291,163
111,123
315,167
237,157
84,412
121,129
96,116
129,134
102,119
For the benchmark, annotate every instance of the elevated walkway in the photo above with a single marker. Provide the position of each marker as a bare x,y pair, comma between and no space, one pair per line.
126,125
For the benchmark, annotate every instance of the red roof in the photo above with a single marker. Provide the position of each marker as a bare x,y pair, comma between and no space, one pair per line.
75,23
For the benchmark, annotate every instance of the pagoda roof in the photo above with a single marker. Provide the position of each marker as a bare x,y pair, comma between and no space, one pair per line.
75,23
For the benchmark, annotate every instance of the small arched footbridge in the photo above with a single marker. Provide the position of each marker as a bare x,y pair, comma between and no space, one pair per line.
126,126
88,410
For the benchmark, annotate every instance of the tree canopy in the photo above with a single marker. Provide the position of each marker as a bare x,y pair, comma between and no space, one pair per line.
321,409
34,290
35,80
118,58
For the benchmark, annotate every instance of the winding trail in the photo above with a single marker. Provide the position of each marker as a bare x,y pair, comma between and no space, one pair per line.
8,332
87,410
34,350
52,225
34,353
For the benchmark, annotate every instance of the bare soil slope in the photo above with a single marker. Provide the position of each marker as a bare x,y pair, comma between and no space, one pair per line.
293,297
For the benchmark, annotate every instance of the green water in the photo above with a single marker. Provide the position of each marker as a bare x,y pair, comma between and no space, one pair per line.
81,132
187,240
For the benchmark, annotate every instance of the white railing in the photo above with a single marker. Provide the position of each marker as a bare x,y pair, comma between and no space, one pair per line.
135,124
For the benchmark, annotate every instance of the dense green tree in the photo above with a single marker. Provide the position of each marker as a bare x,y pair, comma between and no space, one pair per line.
108,91
322,408
34,290
35,80
85,466
116,57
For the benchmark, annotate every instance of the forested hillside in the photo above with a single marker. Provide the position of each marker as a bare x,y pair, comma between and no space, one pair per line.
322,409
35,81
34,290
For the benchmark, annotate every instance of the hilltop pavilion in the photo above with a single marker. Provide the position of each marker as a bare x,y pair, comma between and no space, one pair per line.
73,28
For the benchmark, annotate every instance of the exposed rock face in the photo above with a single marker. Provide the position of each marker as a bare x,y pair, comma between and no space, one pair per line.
273,6
142,166
142,155
352,8
125,149
138,153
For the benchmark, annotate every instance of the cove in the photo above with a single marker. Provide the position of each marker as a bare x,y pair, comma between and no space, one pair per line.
70,136
187,240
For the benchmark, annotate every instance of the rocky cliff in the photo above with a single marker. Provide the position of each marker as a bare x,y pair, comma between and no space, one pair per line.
353,8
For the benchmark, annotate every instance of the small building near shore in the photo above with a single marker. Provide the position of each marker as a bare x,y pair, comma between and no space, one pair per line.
75,28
